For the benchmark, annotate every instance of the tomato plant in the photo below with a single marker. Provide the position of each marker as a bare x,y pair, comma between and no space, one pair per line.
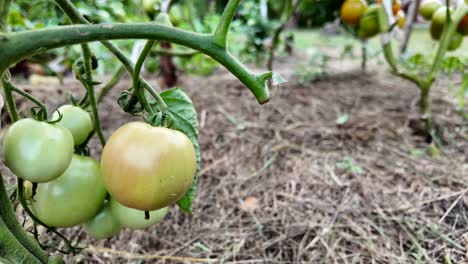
369,23
159,164
75,119
136,219
37,151
103,224
74,197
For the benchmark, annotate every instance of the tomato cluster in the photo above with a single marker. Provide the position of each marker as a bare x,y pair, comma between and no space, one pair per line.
434,11
365,19
143,171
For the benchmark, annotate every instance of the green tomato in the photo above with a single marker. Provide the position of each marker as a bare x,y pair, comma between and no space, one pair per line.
455,41
77,120
428,8
151,6
369,23
438,22
37,151
103,225
135,219
73,198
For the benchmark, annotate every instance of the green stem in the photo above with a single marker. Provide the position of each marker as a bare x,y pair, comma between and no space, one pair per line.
31,98
23,44
88,83
111,84
10,100
16,244
136,75
222,30
363,55
175,53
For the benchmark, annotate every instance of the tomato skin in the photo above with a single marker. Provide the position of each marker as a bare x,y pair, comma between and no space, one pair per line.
37,151
396,7
401,18
463,26
369,23
148,168
352,10
428,8
438,22
73,198
455,41
77,120
135,219
104,224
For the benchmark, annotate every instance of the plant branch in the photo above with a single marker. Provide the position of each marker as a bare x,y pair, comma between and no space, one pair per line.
220,35
27,43
4,10
136,75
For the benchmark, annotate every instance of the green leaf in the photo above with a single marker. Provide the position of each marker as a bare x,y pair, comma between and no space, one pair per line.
278,79
184,117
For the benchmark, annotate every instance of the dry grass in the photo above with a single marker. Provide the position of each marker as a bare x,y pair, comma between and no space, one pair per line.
270,190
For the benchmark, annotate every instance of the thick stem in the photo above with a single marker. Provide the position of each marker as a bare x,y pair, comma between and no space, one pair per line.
27,43
15,244
221,32
424,107
363,55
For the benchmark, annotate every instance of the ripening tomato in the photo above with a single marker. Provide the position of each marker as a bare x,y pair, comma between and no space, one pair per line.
104,224
455,41
148,168
396,7
74,197
401,18
438,22
428,8
37,151
135,219
463,26
369,23
77,120
352,10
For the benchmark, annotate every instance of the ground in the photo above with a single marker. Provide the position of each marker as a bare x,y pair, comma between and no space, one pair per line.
285,183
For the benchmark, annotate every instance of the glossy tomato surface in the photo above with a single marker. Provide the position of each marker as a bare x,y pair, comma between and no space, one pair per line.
103,225
74,197
428,8
148,168
77,120
352,11
135,219
438,22
369,24
37,151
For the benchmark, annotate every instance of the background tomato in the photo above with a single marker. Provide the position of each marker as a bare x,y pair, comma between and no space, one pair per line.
401,18
135,219
103,225
37,151
77,120
369,23
438,22
73,198
396,7
428,8
463,26
352,10
158,163
455,41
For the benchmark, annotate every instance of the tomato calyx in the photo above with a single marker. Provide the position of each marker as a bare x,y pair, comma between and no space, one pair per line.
128,101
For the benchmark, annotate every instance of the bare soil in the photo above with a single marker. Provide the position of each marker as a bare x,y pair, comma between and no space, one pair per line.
272,188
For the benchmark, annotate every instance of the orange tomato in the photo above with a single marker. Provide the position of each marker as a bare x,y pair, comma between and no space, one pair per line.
148,168
352,11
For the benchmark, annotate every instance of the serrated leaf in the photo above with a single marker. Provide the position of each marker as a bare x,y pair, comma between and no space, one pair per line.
184,117
278,79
